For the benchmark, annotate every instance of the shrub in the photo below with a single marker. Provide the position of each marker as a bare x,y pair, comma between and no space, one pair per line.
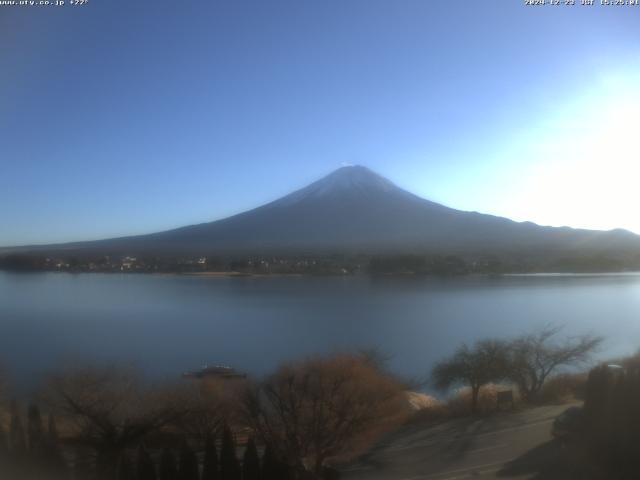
563,388
460,403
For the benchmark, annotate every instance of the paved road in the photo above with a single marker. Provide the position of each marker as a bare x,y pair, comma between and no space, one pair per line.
503,446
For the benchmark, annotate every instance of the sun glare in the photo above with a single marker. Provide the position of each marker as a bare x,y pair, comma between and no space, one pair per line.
584,166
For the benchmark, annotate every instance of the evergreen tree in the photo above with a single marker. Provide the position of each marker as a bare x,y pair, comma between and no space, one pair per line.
229,466
17,442
168,470
82,466
107,464
146,470
270,468
53,455
251,462
35,434
210,465
4,451
52,430
330,473
188,464
4,447
284,472
273,468
125,469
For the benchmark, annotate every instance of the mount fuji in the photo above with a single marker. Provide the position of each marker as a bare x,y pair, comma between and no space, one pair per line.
354,210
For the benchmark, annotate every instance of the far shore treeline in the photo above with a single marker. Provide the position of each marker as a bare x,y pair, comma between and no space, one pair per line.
326,264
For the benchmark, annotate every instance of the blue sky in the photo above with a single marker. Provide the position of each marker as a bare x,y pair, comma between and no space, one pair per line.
123,117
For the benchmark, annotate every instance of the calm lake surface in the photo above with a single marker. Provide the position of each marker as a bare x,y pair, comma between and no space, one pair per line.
170,324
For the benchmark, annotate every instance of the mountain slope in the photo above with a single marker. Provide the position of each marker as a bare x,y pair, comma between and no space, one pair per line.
355,210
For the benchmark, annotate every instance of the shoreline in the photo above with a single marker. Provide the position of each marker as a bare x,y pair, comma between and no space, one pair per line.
235,274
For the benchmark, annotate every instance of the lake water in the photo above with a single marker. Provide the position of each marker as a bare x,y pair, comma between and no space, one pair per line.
169,324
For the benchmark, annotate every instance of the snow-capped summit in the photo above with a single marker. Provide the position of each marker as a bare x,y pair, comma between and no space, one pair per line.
347,181
349,178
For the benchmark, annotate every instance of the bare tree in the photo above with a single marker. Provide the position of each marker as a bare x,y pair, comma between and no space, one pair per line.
535,356
207,408
376,357
111,410
312,410
474,366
